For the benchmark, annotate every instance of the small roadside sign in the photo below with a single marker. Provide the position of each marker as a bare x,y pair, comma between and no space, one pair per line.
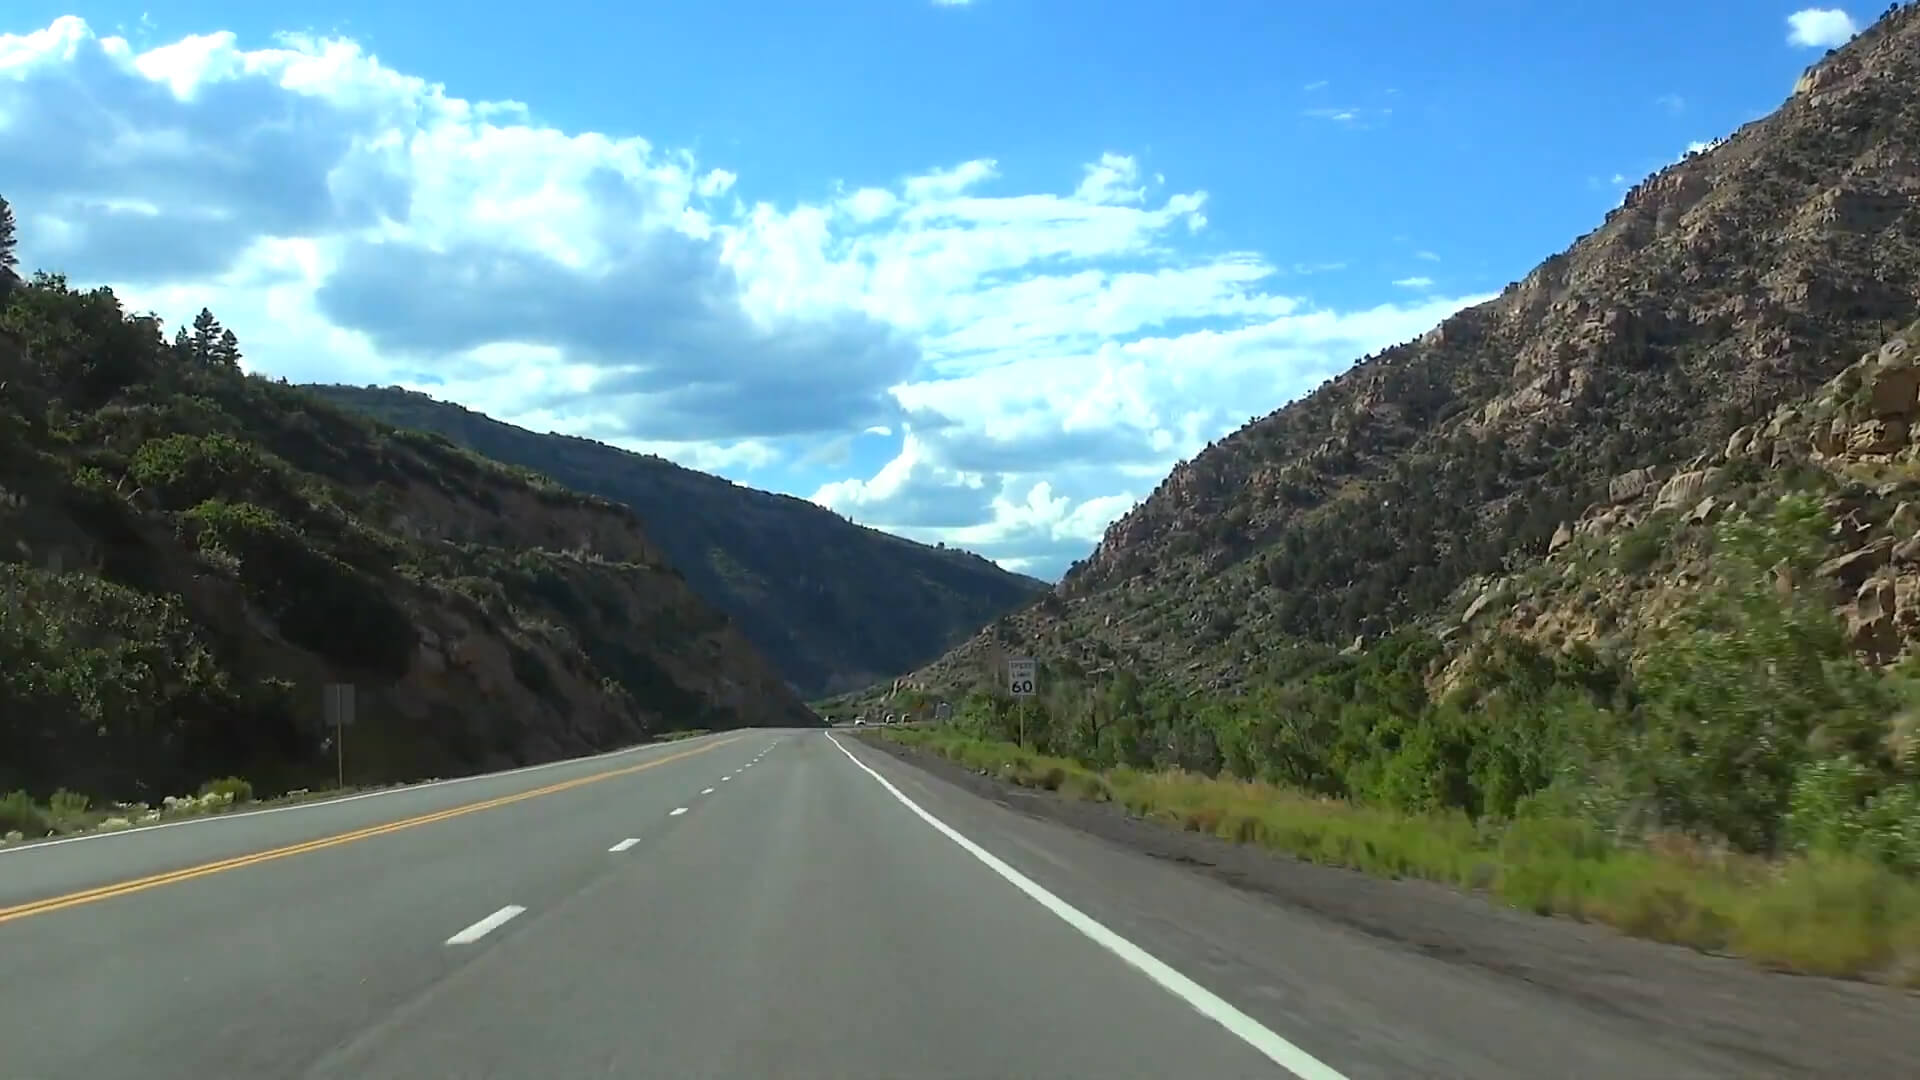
338,698
1021,672
339,704
943,712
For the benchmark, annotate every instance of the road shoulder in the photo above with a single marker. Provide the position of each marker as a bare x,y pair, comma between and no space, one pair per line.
1782,1024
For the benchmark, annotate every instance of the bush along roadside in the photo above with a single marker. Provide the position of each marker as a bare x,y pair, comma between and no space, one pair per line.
64,812
1738,782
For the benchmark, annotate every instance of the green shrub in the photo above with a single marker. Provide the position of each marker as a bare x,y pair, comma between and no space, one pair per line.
180,471
235,790
18,813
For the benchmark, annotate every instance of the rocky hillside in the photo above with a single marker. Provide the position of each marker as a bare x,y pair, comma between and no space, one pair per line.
191,553
1735,281
834,605
1619,575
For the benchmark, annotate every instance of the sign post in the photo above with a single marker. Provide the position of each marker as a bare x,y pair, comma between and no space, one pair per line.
338,699
1021,678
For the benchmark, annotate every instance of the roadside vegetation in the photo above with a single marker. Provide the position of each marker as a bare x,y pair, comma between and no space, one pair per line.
1739,782
67,813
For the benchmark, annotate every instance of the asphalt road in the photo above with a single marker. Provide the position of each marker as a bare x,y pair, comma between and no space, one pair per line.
752,904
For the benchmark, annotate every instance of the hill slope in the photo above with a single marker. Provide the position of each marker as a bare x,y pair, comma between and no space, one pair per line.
191,553
1736,280
834,605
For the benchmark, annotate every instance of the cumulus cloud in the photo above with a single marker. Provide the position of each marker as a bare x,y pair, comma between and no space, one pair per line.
1034,360
1820,28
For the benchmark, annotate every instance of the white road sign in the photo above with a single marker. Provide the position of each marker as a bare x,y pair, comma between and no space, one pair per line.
1021,676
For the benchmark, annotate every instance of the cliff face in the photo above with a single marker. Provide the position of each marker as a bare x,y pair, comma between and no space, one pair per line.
1734,281
832,604
189,554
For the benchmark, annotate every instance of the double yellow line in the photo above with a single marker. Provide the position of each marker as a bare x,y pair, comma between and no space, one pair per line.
123,888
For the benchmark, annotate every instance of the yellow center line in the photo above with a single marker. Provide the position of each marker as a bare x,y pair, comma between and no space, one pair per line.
104,892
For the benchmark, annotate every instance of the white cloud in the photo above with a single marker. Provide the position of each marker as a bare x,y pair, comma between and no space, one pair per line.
1317,84
1041,358
1699,146
1415,282
1353,116
1426,256
1820,28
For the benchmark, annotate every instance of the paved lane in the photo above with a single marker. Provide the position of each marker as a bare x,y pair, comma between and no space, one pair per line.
259,969
764,904
804,925
35,871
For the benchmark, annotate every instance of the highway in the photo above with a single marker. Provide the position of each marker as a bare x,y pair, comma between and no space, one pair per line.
746,904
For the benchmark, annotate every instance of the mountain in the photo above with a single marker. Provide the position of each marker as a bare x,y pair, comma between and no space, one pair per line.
190,554
834,605
1737,280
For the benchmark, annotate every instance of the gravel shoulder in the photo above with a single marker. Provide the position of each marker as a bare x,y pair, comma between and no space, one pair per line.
1788,1025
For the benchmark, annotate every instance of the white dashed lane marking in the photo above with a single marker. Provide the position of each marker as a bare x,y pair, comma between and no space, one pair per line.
625,844
486,926
677,811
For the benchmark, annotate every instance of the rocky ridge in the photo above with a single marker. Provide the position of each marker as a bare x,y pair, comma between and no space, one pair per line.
1733,282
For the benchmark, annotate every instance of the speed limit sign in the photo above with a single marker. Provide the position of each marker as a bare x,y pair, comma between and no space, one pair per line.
1020,676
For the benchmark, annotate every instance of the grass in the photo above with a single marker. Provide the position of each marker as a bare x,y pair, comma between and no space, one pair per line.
1815,915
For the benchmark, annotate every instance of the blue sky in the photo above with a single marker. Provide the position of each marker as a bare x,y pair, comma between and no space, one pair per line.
972,272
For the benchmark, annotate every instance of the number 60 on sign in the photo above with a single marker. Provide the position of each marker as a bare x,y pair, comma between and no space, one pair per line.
1020,676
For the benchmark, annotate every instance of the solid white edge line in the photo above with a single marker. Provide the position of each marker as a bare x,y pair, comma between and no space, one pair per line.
677,811
625,844
214,819
1204,1001
485,926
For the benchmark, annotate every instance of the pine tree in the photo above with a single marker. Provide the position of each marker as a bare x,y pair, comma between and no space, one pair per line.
226,351
9,258
206,336
182,345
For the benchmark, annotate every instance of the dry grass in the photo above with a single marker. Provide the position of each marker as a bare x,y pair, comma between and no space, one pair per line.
1817,915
